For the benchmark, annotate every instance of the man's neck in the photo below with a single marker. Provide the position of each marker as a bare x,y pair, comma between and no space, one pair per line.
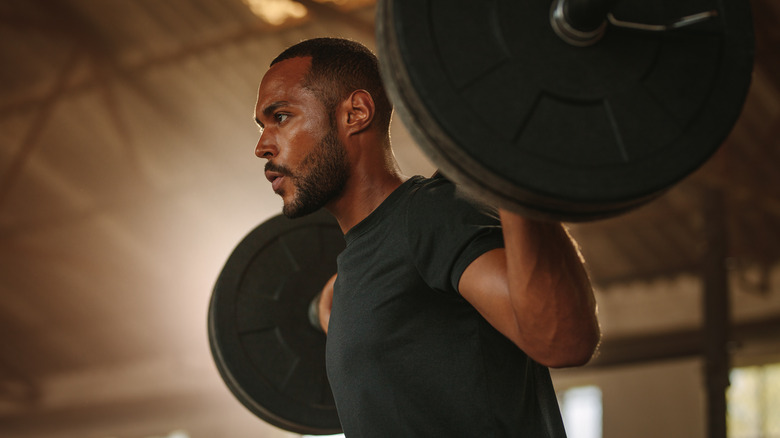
362,195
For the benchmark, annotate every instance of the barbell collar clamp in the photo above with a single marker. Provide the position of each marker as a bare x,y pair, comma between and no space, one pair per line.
314,312
580,23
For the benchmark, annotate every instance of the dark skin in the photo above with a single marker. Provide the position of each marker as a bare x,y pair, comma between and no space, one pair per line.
535,290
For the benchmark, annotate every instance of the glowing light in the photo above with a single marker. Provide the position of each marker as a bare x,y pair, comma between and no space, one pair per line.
348,5
276,12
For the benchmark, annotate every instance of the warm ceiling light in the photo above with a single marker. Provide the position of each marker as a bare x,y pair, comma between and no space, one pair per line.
276,12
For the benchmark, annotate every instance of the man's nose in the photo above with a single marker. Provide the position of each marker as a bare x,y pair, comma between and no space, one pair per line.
265,148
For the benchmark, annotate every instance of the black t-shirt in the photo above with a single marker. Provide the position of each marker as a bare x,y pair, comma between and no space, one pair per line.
407,356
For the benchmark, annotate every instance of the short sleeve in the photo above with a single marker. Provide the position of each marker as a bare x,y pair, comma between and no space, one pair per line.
447,230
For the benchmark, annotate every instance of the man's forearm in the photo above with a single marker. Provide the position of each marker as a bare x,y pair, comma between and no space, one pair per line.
550,292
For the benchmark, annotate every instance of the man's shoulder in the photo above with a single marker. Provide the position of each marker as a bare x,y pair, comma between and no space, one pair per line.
431,187
438,194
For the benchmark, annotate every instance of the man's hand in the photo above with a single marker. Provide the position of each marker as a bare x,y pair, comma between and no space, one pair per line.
326,303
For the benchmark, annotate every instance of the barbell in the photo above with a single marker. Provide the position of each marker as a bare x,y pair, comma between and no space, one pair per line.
559,109
507,102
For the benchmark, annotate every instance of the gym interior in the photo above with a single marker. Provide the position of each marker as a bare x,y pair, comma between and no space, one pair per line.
127,177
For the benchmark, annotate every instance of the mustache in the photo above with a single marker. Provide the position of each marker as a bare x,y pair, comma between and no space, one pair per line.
284,170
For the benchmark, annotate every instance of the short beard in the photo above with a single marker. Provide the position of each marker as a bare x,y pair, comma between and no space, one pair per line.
321,178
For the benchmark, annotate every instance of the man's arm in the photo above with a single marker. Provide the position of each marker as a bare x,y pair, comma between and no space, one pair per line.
536,292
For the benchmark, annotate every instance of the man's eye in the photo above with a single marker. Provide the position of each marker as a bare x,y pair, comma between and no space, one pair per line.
280,117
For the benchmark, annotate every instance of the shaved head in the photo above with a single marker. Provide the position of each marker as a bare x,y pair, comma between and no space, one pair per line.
339,67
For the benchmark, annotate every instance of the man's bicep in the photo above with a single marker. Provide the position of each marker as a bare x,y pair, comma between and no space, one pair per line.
484,285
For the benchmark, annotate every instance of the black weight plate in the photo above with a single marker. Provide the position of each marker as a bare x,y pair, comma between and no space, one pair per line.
267,351
504,106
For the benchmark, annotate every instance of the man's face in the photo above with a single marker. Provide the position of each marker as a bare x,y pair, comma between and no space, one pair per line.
307,163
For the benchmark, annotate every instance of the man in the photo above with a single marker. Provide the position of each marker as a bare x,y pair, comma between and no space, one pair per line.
444,315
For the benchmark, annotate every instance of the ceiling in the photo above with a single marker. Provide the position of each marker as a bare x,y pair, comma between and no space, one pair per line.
127,176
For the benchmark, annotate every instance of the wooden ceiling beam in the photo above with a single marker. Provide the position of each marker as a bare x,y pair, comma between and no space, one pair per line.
646,275
131,69
30,141
741,192
679,344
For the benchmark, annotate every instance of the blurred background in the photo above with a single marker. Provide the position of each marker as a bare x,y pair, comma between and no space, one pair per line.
127,176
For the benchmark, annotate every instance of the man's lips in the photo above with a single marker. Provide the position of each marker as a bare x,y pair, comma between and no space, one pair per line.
275,178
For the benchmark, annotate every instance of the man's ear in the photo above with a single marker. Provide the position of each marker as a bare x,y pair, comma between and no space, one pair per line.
357,112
